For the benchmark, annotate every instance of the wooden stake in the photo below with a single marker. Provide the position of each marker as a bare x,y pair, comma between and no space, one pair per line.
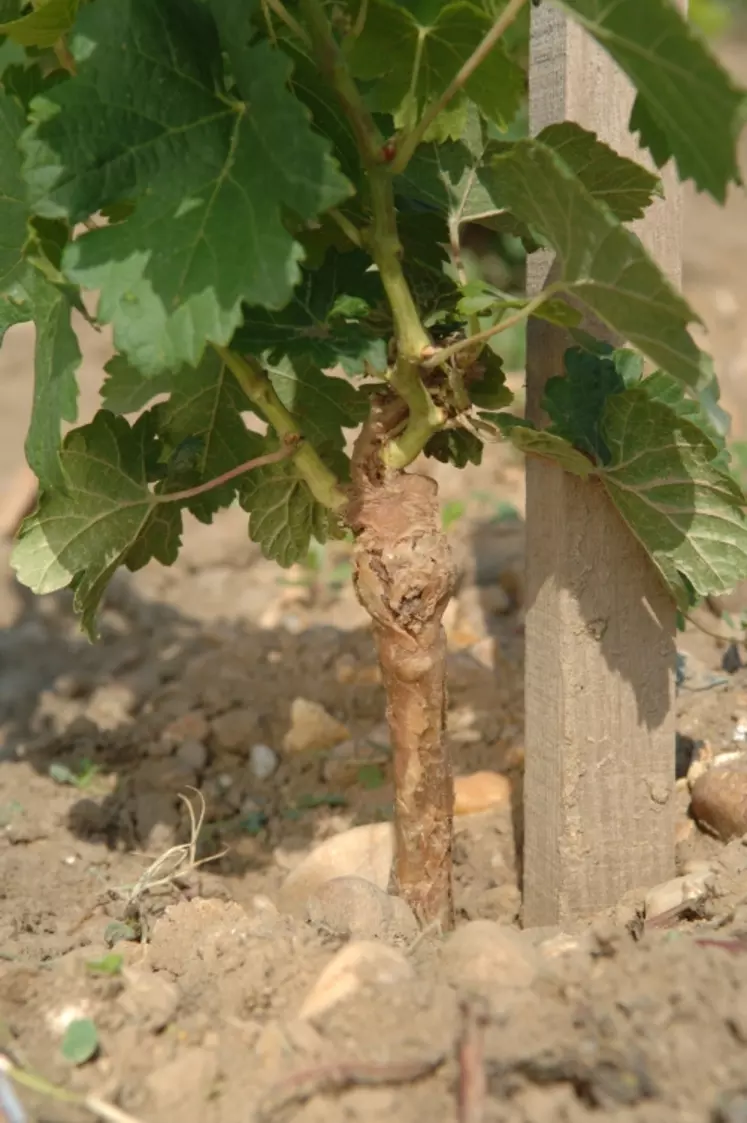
600,627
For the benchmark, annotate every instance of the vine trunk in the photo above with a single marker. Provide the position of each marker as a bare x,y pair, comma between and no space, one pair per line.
404,577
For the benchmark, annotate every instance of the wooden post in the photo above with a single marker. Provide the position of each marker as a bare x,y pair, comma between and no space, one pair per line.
600,627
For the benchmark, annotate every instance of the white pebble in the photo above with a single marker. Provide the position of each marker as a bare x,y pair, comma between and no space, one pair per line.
263,761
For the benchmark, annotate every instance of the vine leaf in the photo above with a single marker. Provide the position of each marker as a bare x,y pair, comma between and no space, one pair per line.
667,481
412,56
283,514
455,446
328,319
57,357
323,405
541,442
687,106
79,535
576,401
204,408
601,265
626,187
127,390
210,175
15,302
456,179
44,25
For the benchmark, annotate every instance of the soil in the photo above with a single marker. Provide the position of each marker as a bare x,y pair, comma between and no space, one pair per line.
203,1020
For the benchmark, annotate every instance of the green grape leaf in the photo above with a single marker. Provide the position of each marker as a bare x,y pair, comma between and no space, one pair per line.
687,106
626,187
454,178
204,407
455,446
80,534
575,402
489,390
14,210
322,405
603,266
159,540
666,481
312,325
283,514
57,357
127,390
44,25
210,176
540,442
412,56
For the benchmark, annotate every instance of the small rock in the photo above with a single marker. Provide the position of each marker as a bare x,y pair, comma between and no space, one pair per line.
352,906
263,761
149,997
485,952
193,755
235,731
111,705
365,852
718,799
192,726
669,894
353,967
481,791
312,729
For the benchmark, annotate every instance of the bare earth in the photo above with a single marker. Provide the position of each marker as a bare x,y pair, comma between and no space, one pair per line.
209,1018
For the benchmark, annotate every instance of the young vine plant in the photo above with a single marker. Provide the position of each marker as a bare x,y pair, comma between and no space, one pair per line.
268,198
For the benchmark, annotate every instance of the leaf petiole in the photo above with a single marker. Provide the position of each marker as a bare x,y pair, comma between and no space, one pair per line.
290,447
437,358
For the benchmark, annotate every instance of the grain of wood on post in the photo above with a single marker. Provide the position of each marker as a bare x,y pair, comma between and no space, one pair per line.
600,626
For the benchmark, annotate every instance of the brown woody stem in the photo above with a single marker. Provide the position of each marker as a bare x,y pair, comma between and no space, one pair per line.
404,578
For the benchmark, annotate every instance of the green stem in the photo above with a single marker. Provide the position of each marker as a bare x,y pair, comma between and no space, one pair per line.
258,388
411,140
382,240
425,418
333,66
438,358
349,229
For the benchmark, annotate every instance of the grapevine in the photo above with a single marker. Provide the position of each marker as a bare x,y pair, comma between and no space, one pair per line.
270,201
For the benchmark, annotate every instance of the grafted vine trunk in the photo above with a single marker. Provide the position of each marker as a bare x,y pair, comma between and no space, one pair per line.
404,578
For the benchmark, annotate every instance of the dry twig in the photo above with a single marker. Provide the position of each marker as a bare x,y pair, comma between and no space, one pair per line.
472,1079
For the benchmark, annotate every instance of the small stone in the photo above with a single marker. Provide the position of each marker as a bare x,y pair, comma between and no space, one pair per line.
193,755
312,729
670,894
111,705
365,852
483,952
481,791
718,799
192,726
263,761
149,997
731,660
352,906
235,731
356,965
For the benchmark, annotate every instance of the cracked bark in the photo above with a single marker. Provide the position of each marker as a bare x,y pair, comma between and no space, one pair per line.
404,578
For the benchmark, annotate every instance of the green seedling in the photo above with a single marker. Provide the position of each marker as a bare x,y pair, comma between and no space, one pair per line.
81,1041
